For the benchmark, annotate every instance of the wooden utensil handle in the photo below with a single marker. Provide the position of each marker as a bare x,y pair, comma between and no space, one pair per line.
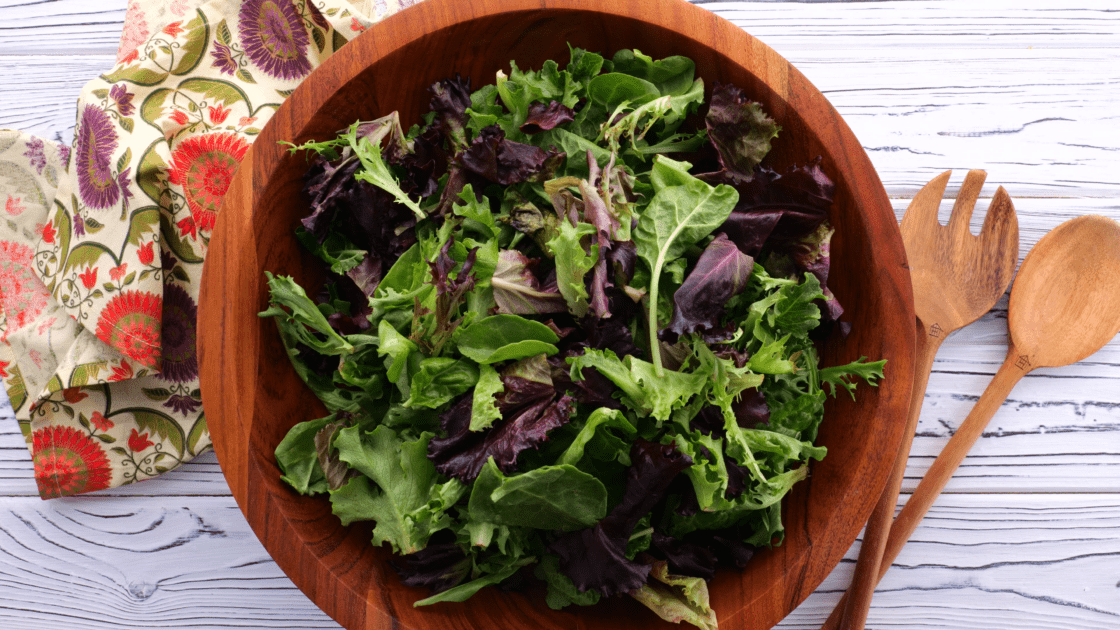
851,611
952,455
945,465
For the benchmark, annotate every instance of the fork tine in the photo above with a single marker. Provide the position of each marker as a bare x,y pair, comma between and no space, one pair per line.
922,210
1001,225
966,202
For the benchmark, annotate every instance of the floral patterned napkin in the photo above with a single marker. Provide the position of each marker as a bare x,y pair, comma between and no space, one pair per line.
102,244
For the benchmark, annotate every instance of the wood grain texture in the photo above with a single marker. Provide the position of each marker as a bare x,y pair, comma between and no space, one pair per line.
254,397
957,278
1006,547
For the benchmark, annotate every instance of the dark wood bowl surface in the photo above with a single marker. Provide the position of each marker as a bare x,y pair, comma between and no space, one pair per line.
252,396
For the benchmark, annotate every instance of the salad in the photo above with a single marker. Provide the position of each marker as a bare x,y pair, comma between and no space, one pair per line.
568,332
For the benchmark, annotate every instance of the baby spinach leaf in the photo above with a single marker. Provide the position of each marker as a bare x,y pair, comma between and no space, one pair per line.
615,88
298,459
550,497
683,211
671,75
504,337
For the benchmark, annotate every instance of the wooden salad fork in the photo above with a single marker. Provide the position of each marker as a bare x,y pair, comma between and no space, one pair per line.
957,278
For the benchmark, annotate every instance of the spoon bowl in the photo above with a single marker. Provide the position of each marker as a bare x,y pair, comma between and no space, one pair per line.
1066,300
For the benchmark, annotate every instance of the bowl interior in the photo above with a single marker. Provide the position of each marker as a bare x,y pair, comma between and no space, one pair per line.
253,396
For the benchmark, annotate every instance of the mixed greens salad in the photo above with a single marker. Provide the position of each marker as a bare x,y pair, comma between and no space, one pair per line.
569,331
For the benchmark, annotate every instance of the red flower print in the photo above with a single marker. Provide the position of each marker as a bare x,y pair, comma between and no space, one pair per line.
22,294
204,167
101,422
4,369
356,26
130,57
67,462
13,207
116,273
74,395
246,121
146,254
173,29
138,442
131,323
180,117
49,233
89,278
218,114
187,226
121,372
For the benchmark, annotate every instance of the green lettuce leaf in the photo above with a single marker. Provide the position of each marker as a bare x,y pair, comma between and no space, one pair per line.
550,497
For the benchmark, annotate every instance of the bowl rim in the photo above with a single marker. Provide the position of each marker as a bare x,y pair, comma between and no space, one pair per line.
231,425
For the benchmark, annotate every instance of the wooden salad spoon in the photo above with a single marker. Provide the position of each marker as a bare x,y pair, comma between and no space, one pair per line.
1065,305
957,278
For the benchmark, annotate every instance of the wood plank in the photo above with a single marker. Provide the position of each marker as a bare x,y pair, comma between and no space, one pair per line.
1001,561
1034,562
48,87
924,85
60,27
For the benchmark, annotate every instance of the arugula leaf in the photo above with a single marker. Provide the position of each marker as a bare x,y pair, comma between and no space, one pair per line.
464,591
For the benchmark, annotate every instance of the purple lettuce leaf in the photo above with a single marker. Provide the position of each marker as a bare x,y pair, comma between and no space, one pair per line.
543,117
774,208
698,305
595,558
505,162
518,291
684,558
530,410
451,291
450,100
740,132
439,566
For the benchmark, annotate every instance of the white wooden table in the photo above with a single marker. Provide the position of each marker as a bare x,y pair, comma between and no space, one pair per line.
1027,535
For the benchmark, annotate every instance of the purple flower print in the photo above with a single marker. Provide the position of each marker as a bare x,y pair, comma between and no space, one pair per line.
123,98
223,58
95,141
179,333
35,154
274,39
182,404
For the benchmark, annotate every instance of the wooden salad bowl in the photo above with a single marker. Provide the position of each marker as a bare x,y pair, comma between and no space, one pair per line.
253,396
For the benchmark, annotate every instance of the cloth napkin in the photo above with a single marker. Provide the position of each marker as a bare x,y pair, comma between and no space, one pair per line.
102,244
